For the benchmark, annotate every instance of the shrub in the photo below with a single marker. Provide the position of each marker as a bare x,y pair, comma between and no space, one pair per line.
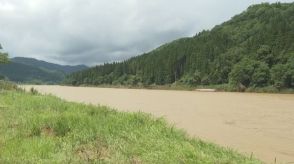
61,127
261,75
34,91
282,75
242,73
6,85
249,72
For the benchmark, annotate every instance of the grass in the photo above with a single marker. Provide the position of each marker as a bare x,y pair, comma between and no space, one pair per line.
5,85
45,129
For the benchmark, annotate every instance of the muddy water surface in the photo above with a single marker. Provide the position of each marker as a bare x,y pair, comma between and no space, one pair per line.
262,124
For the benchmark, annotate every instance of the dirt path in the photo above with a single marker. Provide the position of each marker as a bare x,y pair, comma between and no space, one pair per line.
262,124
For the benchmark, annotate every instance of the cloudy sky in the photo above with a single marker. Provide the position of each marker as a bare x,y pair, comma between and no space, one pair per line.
97,31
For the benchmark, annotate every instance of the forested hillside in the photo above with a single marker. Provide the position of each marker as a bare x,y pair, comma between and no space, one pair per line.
31,70
253,49
66,69
18,72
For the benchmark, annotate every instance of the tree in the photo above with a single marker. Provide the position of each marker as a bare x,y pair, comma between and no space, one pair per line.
3,60
249,72
282,75
242,72
264,54
191,79
289,74
240,51
261,75
3,56
278,75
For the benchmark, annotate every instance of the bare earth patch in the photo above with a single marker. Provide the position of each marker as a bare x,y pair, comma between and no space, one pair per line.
261,124
47,131
94,151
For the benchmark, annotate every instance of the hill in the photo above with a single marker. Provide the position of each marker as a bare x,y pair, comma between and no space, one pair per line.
30,70
18,72
49,66
253,49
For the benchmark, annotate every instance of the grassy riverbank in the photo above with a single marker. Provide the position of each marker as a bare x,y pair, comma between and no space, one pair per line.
40,129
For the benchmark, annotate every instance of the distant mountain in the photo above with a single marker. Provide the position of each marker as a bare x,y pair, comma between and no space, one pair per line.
253,49
49,66
31,70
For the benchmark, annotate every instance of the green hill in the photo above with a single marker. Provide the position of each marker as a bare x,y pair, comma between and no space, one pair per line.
18,72
30,70
66,69
253,49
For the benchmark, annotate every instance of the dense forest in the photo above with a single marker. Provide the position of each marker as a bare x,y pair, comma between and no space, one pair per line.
65,69
253,49
30,70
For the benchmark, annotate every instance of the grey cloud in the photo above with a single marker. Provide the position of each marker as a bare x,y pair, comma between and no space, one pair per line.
97,31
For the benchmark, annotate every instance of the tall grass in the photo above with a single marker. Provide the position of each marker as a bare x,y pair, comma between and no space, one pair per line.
6,85
45,129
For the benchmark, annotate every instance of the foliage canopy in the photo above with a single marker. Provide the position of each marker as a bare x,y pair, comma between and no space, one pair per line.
253,49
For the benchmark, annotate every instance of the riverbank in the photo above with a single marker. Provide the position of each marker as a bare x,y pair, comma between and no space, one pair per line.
216,88
45,129
255,123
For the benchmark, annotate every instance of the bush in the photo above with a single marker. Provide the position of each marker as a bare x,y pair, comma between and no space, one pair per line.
3,77
6,85
242,73
205,80
61,127
267,89
249,72
4,58
261,75
34,91
264,54
282,75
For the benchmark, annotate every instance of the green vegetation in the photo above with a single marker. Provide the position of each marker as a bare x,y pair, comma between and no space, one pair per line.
28,74
252,50
29,70
3,58
5,85
65,69
45,129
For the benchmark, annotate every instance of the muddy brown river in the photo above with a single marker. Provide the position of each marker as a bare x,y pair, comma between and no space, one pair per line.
262,124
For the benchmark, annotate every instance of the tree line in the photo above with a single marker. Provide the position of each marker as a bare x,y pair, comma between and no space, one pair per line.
253,49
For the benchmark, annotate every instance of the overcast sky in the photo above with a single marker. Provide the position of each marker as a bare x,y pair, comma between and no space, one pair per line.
97,31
